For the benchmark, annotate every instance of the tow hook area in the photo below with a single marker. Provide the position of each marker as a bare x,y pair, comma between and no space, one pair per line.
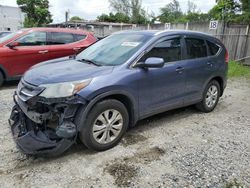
50,136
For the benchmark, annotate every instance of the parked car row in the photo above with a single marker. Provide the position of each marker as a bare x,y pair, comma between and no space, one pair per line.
109,86
27,47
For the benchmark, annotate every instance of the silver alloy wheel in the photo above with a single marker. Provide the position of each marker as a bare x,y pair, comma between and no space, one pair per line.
211,96
107,126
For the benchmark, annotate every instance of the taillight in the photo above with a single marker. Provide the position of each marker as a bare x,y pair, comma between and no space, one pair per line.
226,57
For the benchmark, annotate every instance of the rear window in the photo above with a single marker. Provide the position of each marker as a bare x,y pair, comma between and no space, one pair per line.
79,37
213,48
196,48
61,38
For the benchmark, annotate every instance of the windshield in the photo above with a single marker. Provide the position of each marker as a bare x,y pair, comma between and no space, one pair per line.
114,50
9,36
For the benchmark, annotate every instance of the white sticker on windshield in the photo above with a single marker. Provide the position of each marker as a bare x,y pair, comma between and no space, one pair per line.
130,44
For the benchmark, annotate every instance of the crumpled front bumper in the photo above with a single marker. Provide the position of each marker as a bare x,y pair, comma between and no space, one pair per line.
35,142
32,134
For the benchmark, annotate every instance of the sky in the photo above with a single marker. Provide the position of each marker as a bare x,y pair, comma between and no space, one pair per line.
90,9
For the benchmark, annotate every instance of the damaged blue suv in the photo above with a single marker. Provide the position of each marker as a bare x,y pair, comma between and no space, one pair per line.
128,76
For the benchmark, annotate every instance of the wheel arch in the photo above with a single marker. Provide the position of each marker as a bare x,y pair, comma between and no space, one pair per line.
127,103
3,72
122,96
220,80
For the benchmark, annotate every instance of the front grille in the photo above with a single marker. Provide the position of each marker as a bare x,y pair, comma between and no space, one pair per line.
26,91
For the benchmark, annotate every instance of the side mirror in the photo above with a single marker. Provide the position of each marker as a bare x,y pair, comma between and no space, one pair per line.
151,62
13,44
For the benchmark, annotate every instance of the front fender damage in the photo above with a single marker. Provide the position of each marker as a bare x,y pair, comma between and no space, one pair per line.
44,127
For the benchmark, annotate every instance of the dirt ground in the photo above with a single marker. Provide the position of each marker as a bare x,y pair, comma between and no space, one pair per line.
180,148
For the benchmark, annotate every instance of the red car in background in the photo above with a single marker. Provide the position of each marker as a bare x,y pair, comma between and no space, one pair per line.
25,48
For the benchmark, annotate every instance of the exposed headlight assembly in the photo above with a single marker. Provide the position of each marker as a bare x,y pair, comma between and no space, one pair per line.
64,89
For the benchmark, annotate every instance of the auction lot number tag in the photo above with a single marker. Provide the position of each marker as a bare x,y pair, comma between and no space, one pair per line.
213,24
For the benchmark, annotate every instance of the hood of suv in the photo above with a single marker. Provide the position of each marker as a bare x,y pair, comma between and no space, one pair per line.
63,70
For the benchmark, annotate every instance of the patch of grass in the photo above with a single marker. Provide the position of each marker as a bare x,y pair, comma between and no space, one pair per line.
235,69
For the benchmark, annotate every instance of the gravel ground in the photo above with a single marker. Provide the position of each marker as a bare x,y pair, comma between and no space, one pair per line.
180,148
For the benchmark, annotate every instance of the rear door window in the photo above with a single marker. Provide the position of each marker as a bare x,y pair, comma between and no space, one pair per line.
169,50
59,38
196,48
213,48
79,37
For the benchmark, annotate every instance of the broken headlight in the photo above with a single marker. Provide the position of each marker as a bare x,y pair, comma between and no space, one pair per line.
65,89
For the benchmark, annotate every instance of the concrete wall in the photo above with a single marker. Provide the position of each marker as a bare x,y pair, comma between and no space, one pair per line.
11,18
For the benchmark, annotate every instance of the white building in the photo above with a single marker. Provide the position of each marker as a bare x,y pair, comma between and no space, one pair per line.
11,18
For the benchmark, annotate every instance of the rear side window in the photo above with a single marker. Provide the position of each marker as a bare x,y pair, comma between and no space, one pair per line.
79,37
169,50
213,48
61,38
196,48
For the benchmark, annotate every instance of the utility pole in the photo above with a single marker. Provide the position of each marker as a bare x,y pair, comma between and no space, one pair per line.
223,24
66,17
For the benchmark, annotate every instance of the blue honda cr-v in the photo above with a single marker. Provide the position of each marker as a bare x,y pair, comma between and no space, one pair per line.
114,83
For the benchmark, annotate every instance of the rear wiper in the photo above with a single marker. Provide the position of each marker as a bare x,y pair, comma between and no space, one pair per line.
89,62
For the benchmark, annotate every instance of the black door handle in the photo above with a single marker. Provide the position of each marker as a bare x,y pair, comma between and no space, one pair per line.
179,69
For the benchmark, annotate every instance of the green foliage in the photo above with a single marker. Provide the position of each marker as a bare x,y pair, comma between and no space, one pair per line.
171,12
230,11
115,18
138,14
76,18
225,10
245,11
37,12
197,17
245,5
121,6
235,69
131,9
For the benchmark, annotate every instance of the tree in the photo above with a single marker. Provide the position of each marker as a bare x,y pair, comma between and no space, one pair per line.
131,8
245,10
138,14
171,12
192,7
37,12
197,17
76,18
225,10
245,6
121,6
194,15
116,18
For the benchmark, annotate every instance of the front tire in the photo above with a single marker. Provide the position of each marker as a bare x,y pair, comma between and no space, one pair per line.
211,97
105,125
1,79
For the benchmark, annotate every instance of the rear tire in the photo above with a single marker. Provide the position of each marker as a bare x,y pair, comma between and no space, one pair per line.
1,79
211,97
105,125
